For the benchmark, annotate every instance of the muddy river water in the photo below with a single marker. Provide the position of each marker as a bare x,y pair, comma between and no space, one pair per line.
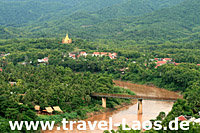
151,109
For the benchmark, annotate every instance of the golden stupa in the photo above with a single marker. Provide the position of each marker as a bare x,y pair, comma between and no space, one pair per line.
67,39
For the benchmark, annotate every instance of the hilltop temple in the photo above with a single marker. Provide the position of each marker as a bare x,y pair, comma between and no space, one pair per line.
67,40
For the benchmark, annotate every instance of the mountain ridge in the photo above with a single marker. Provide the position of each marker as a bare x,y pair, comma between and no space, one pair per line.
175,23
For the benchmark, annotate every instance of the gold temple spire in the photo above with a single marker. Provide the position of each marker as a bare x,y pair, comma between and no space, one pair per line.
67,39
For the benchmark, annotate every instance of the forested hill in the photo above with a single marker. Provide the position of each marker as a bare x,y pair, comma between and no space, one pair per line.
144,21
170,24
134,8
19,12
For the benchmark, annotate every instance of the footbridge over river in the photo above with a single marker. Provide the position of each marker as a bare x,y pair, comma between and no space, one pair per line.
139,98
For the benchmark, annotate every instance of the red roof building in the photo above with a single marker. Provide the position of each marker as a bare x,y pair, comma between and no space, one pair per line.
73,56
1,70
182,118
167,59
104,53
96,54
115,54
156,59
45,60
161,62
83,53
111,57
157,66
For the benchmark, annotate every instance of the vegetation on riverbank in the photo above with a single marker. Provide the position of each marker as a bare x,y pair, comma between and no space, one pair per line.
52,86
137,30
58,82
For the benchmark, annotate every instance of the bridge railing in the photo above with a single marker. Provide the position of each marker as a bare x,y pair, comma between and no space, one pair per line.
133,96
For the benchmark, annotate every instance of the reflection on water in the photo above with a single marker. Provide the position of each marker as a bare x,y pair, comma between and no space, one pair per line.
151,109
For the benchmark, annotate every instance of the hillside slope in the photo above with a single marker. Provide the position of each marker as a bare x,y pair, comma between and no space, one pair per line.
27,12
177,22
170,24
134,8
19,12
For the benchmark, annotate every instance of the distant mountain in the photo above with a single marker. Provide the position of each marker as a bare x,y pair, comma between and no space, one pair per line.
145,21
134,7
16,13
20,12
168,24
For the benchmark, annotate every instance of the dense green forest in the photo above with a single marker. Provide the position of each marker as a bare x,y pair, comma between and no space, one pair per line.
142,21
17,13
49,84
65,79
137,30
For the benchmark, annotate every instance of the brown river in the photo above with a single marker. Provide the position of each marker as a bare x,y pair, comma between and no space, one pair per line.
151,109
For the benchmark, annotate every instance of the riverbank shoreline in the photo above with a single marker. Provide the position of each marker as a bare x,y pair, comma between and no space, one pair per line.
96,113
144,90
147,84
129,110
115,109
